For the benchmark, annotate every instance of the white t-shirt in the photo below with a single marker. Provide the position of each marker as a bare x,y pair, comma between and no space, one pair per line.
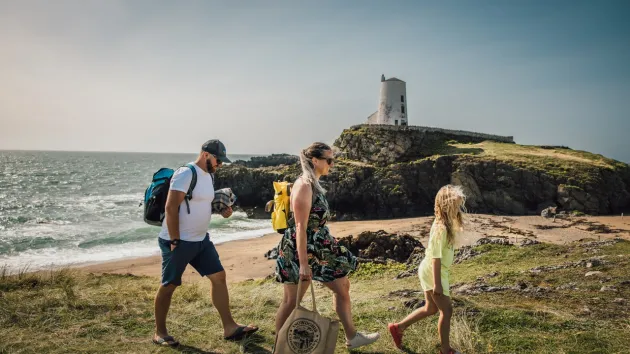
194,226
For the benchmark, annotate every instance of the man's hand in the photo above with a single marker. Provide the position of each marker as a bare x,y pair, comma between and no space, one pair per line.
227,212
173,247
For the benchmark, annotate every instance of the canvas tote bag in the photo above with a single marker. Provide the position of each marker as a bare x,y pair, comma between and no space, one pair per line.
307,332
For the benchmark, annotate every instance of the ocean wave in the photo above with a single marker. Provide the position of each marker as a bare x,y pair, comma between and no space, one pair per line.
74,207
48,221
130,236
47,252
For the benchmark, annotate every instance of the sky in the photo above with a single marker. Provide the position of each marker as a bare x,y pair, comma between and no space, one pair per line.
274,76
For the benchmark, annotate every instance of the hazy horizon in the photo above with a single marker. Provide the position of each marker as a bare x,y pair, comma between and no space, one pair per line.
158,76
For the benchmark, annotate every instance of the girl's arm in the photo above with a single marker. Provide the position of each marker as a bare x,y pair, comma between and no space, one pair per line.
437,276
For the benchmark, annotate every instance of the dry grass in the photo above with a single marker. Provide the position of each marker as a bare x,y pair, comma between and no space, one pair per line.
65,311
525,153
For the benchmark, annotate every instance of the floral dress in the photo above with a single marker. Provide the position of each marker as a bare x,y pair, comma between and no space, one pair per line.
328,259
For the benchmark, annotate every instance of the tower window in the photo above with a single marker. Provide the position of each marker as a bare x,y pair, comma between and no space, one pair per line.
403,123
396,122
402,108
402,98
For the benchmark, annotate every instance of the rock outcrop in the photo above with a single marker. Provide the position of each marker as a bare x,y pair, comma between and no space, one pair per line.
385,145
268,161
378,246
384,173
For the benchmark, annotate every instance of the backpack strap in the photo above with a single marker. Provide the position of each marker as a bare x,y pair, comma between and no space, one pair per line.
193,183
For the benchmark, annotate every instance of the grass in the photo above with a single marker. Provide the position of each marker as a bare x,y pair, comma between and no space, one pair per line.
576,167
66,311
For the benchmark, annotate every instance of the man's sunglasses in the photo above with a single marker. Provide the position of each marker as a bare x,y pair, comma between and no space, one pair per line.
219,162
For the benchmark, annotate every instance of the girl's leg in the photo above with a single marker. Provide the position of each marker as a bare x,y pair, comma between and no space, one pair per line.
443,303
288,303
429,308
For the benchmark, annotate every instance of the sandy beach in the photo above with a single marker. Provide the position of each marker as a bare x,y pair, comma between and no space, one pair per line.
244,259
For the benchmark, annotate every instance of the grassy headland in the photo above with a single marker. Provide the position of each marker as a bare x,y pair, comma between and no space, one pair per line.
544,304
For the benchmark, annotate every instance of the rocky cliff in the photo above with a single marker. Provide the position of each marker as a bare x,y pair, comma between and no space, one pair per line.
386,173
267,161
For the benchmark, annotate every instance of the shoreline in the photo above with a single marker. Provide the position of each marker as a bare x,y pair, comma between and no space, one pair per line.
244,259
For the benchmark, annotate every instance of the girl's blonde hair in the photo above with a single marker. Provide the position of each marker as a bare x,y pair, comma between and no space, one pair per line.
450,209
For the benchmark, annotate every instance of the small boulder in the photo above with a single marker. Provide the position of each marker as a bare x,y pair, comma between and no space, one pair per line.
493,241
568,286
593,273
608,288
528,242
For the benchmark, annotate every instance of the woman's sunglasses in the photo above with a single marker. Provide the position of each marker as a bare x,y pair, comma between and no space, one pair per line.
329,160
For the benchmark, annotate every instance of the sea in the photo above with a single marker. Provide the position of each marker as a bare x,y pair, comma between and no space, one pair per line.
61,209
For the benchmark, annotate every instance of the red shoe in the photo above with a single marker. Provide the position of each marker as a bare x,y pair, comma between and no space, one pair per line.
396,334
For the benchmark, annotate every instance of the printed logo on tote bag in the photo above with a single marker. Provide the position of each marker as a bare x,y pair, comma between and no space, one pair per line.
303,336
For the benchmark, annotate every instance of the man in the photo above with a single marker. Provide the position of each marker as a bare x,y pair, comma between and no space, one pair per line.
184,240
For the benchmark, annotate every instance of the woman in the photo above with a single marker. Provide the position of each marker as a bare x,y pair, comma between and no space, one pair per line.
308,250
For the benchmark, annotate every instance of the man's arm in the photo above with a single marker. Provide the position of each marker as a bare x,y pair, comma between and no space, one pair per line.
180,182
173,201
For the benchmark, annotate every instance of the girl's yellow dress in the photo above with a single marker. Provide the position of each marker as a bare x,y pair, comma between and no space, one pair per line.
438,248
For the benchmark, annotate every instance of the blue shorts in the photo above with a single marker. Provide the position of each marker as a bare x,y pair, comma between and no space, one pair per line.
201,255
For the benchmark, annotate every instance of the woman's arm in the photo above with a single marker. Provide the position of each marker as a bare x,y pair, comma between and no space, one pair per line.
302,200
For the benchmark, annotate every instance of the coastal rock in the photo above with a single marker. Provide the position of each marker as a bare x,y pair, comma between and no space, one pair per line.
465,253
372,245
268,161
384,145
594,273
576,264
388,172
413,263
477,288
529,242
608,288
378,247
414,304
568,286
493,241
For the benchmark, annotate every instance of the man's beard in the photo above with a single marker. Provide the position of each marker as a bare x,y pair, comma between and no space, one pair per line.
211,169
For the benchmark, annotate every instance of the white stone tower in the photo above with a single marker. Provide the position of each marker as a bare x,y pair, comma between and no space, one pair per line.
392,105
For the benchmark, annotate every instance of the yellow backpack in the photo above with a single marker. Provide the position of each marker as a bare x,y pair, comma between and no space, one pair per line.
281,206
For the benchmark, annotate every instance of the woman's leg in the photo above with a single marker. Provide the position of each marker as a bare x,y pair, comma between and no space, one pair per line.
288,302
341,300
429,308
443,303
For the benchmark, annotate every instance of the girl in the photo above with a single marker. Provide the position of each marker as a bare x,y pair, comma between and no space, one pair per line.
308,250
434,268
